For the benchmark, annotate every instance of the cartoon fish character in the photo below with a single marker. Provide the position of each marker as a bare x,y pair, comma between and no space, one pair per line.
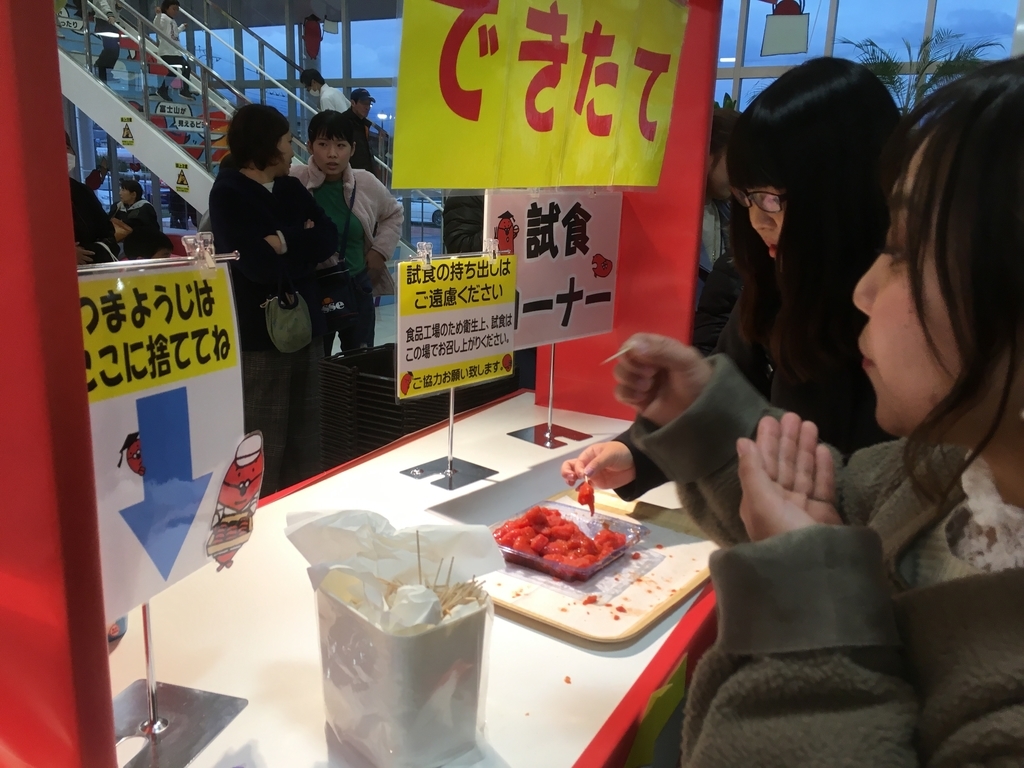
236,501
132,450
602,266
506,232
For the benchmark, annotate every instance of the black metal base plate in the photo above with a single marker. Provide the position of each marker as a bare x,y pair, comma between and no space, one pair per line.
464,473
539,435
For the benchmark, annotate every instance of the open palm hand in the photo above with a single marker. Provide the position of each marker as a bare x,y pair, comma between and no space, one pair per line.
788,478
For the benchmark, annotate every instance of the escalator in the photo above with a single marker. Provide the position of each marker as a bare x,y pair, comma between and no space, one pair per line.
139,100
181,140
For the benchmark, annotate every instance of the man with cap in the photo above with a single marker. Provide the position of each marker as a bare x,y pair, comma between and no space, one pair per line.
358,115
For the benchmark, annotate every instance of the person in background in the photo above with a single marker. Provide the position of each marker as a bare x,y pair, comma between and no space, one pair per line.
225,163
281,234
170,53
107,31
98,175
463,233
373,221
714,240
793,333
160,245
329,96
463,223
869,609
95,241
134,220
718,282
358,116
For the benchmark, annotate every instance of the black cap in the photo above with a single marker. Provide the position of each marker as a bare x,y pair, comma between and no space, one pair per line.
361,94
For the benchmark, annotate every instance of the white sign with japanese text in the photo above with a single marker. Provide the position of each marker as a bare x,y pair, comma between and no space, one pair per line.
177,479
567,251
455,319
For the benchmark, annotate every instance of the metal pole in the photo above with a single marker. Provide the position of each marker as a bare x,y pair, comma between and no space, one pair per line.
207,143
155,724
451,432
551,397
263,67
88,39
144,73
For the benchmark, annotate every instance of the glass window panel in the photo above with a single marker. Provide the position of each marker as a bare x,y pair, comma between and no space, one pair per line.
860,20
223,55
817,24
722,88
375,44
980,21
751,88
730,32
277,99
273,64
329,62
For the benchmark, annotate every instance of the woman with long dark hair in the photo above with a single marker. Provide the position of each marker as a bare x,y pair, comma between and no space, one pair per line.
869,609
809,217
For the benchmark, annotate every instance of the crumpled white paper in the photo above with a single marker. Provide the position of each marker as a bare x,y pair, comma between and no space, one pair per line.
353,554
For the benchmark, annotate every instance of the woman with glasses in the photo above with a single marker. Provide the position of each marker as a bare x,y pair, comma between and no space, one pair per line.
808,220
869,607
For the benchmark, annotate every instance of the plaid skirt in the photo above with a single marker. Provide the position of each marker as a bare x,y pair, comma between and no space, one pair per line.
281,397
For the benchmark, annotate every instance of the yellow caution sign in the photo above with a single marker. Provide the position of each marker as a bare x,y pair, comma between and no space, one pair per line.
181,185
127,139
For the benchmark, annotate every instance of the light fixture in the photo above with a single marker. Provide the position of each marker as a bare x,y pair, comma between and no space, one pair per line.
382,116
728,60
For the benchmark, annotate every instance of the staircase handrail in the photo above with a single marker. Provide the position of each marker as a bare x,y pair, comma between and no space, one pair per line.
149,26
199,66
242,26
243,57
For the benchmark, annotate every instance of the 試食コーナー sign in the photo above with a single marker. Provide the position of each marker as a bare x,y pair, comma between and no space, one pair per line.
567,250
455,323
535,94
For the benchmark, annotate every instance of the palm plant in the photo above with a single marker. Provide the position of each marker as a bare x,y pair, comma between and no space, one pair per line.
941,58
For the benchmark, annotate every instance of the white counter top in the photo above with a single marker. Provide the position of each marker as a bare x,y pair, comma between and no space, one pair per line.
251,631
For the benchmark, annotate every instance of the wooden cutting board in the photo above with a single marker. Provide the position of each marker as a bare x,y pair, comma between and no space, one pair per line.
631,594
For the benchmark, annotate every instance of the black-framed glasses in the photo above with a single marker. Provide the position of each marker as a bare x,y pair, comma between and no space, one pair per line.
769,202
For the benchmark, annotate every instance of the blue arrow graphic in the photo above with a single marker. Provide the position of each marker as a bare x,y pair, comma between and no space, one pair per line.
171,497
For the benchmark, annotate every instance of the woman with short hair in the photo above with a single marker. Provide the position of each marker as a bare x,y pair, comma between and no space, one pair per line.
281,234
135,222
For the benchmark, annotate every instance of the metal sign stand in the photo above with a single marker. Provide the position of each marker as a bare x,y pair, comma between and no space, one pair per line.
455,473
177,722
545,435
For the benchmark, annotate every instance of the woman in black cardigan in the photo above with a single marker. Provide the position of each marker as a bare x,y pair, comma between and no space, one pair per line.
281,234
809,217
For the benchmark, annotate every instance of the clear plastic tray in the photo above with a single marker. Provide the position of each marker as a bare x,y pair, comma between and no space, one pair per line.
590,525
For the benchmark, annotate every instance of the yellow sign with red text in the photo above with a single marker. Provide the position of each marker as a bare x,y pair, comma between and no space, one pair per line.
456,323
530,93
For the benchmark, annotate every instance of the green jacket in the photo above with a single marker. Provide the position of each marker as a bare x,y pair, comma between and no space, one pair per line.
863,645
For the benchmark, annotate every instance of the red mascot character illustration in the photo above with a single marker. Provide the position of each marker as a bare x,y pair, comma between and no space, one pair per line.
236,502
132,450
602,266
506,232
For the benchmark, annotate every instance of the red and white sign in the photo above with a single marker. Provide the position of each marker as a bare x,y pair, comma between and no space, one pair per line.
567,249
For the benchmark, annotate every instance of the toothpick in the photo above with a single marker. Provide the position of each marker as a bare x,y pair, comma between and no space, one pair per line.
438,574
419,561
449,579
618,354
